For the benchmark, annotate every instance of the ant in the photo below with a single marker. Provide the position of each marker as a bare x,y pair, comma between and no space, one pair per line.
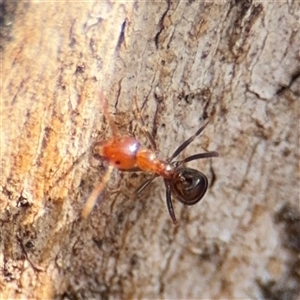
126,154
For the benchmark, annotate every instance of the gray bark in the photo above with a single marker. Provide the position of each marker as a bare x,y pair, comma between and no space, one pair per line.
236,64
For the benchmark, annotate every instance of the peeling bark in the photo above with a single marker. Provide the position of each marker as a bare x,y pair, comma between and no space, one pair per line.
236,63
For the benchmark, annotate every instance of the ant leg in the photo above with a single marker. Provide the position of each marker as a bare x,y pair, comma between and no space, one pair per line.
90,202
144,184
169,202
199,156
145,130
186,143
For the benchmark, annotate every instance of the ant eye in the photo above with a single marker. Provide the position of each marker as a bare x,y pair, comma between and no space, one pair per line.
188,185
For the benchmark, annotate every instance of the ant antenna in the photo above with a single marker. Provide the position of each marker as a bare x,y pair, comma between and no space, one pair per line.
144,129
90,202
107,116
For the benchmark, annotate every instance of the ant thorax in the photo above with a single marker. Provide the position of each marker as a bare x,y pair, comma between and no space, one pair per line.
148,161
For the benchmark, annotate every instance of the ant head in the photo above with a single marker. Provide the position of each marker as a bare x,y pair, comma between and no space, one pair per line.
188,185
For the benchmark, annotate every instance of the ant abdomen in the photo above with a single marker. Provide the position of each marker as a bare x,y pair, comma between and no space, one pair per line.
188,185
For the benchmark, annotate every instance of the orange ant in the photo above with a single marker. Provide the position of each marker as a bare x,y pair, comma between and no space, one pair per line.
126,154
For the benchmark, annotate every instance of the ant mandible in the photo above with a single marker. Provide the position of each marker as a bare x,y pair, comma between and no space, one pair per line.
126,154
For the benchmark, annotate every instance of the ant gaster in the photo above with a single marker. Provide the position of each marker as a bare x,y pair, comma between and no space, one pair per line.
126,154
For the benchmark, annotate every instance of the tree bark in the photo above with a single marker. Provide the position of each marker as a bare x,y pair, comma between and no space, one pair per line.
235,64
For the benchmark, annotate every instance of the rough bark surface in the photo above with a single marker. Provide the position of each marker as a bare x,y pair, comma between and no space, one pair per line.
236,63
